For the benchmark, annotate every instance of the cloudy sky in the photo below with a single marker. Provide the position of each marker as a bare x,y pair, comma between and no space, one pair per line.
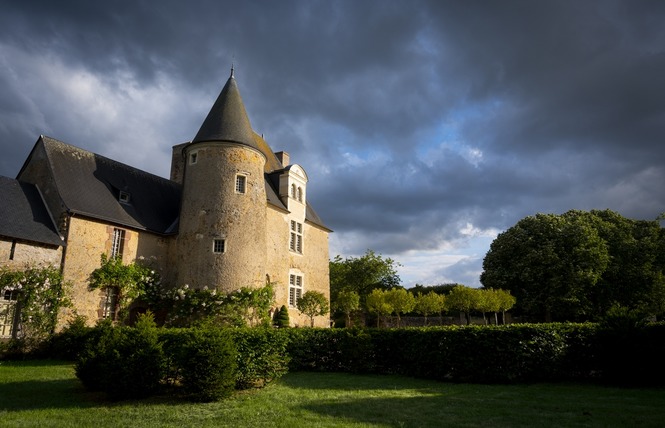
426,128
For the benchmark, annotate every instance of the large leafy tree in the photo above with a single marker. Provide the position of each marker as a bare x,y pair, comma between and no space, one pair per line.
577,265
362,275
634,276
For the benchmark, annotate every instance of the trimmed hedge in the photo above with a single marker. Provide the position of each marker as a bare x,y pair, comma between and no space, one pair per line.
488,354
203,361
202,364
205,364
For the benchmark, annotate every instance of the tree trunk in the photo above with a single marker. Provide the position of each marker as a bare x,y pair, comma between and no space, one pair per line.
496,318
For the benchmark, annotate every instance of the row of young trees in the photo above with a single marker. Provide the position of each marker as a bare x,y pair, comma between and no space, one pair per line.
370,285
399,301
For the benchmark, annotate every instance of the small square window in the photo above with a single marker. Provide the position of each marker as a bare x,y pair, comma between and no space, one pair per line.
124,197
241,183
218,246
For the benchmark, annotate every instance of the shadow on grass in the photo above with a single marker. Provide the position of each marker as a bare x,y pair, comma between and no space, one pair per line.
42,394
355,382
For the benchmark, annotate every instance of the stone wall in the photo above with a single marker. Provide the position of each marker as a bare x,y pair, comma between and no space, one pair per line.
25,254
87,241
312,264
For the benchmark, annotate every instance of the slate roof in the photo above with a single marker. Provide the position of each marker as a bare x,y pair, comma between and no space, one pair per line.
90,185
23,214
227,119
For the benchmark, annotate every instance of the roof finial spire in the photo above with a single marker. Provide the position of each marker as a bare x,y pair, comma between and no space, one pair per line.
232,70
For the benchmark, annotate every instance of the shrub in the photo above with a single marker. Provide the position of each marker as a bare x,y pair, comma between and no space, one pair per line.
125,362
282,318
262,355
207,364
68,343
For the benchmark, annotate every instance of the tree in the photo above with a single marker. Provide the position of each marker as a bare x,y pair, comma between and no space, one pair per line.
347,302
430,303
401,301
362,274
578,265
551,262
486,301
463,299
506,302
312,304
377,303
634,276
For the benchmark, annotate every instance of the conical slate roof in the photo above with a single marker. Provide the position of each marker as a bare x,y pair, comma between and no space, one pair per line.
227,120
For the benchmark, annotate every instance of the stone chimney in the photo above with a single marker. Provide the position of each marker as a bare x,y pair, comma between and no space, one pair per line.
283,158
177,163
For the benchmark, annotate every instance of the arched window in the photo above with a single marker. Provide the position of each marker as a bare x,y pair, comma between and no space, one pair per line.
300,194
293,191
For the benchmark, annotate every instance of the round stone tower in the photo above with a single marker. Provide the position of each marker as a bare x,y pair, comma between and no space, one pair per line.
222,232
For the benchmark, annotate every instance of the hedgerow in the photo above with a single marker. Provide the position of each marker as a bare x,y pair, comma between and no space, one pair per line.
207,363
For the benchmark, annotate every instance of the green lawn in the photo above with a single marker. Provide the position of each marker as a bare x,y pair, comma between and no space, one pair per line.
46,394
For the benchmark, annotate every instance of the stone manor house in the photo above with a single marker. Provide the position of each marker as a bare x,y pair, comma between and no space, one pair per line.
233,214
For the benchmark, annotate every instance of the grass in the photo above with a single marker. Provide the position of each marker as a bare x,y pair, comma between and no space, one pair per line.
47,394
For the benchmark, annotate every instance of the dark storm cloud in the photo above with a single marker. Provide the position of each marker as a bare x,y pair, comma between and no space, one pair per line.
416,121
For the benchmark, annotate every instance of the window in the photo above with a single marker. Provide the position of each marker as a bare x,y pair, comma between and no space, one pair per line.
110,302
123,197
218,246
8,312
295,289
118,242
300,194
193,157
293,191
295,244
241,182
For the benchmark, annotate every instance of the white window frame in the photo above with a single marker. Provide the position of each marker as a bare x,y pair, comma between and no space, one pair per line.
296,237
117,242
8,301
110,302
295,289
219,246
241,184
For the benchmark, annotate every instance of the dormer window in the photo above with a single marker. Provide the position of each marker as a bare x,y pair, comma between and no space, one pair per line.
293,189
123,197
